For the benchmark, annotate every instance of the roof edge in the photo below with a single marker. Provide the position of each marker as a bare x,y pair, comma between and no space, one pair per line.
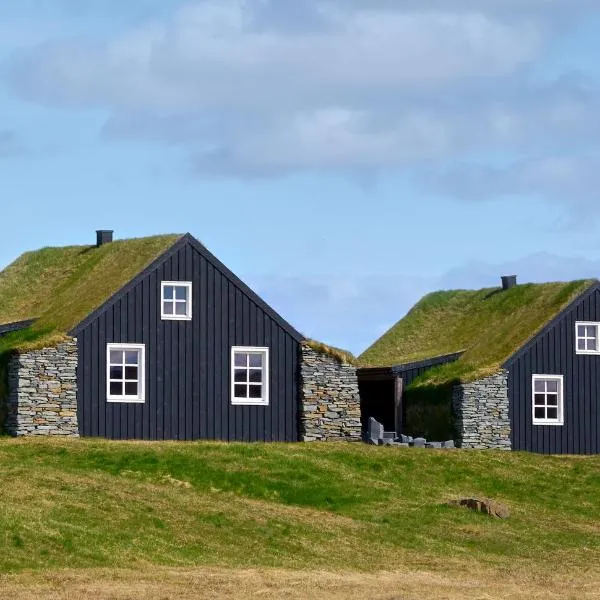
16,326
128,286
208,255
188,238
440,359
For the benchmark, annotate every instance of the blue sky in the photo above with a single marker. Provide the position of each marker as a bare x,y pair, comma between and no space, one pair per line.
343,157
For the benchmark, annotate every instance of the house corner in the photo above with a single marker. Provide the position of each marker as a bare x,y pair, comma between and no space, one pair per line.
481,413
42,391
329,399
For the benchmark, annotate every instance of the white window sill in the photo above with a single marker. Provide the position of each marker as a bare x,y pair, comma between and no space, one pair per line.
552,423
171,318
239,402
125,399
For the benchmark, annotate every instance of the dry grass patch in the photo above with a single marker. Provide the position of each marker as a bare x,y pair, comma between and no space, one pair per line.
234,584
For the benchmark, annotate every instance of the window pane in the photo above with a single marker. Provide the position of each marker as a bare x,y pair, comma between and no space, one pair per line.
552,387
131,357
255,375
255,391
592,344
116,388
552,400
240,391
240,375
540,413
552,413
540,385
181,292
580,330
256,360
581,344
168,292
180,309
116,372
540,399
116,357
131,373
131,388
240,359
167,308
591,330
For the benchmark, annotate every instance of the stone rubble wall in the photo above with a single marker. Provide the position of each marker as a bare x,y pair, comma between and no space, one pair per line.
42,392
330,402
481,413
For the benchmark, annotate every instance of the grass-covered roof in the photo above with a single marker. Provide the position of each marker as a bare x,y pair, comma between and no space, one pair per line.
488,324
61,286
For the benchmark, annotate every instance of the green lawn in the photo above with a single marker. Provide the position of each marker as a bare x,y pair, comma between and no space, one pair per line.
82,503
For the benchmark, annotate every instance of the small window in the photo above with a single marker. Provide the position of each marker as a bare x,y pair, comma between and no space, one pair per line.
586,336
176,300
548,400
250,376
125,372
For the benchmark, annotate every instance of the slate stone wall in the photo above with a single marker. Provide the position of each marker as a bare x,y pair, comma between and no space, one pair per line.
42,392
330,402
481,413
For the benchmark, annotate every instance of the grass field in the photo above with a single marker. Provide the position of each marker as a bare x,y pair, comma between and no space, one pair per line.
130,520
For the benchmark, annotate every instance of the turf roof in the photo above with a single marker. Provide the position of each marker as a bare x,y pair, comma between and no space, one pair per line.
488,324
61,286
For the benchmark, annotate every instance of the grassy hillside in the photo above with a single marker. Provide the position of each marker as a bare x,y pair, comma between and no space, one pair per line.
61,286
82,504
489,325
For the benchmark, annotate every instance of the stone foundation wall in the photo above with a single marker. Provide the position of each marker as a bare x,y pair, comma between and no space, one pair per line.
330,403
481,413
42,392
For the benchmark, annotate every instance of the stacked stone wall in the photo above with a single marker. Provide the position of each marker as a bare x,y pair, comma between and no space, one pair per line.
330,402
42,392
481,413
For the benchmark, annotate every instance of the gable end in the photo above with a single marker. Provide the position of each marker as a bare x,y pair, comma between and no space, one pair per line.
595,287
211,258
216,263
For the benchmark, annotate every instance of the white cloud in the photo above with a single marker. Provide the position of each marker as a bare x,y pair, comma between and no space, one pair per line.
212,55
263,87
571,180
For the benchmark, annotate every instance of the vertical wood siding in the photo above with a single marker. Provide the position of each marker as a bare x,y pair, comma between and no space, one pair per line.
553,353
187,362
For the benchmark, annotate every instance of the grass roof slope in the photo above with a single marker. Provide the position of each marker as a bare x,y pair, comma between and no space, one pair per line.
488,324
61,286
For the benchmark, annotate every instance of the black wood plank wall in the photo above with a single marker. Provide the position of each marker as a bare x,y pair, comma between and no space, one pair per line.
188,362
553,353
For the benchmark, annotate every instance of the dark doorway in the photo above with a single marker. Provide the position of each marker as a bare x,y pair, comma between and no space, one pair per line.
377,401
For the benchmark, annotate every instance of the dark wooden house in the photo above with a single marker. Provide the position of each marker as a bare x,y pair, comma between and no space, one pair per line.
513,367
169,344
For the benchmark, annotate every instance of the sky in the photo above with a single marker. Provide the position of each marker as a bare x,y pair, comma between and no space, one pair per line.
343,157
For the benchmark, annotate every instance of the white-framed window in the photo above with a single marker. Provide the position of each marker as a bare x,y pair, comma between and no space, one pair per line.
125,372
587,340
250,375
176,300
548,402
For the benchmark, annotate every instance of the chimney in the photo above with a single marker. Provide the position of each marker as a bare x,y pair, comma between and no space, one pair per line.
508,281
103,236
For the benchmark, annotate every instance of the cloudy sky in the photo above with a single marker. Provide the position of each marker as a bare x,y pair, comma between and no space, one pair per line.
343,156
